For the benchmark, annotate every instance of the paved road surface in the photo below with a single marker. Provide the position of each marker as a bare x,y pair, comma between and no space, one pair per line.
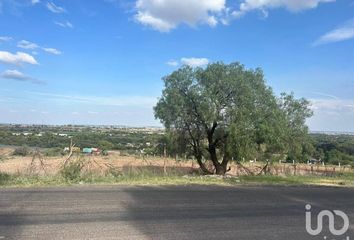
191,212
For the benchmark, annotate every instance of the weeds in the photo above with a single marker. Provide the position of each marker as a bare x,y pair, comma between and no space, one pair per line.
4,178
72,172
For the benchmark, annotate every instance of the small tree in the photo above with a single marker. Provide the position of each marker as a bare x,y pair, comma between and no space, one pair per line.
22,151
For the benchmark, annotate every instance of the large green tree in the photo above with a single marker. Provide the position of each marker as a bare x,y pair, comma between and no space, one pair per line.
223,111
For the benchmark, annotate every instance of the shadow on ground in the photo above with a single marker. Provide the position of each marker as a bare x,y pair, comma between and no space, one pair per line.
196,212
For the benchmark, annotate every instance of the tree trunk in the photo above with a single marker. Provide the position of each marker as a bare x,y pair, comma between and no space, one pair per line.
220,169
202,166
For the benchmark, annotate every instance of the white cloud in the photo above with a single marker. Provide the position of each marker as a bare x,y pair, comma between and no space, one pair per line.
30,45
5,39
27,45
342,33
192,62
54,8
14,74
66,24
18,76
164,15
141,101
52,51
195,62
263,5
34,2
332,105
18,58
325,95
212,21
172,63
332,115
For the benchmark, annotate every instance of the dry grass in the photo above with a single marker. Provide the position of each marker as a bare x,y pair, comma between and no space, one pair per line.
97,164
117,169
100,164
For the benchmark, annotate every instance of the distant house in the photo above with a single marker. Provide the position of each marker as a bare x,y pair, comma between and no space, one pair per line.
87,150
96,151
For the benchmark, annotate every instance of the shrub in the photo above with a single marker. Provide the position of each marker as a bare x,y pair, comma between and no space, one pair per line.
72,172
22,151
4,178
53,152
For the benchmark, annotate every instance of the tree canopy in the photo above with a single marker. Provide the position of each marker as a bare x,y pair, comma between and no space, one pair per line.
225,112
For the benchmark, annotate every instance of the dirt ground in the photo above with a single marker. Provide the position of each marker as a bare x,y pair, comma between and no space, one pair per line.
100,164
51,165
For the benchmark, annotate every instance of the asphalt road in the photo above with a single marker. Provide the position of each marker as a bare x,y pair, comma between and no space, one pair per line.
189,212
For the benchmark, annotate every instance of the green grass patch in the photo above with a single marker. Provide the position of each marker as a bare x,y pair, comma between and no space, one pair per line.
72,175
336,180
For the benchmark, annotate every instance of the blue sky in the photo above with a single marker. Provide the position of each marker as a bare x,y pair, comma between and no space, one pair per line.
101,61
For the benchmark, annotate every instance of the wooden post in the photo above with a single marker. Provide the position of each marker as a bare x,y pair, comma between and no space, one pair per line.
164,160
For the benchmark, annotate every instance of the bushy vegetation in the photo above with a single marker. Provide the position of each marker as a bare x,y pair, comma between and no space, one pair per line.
22,151
105,139
151,177
4,178
72,172
334,149
53,152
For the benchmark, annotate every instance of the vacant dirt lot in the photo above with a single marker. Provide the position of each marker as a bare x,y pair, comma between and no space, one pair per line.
51,165
40,164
